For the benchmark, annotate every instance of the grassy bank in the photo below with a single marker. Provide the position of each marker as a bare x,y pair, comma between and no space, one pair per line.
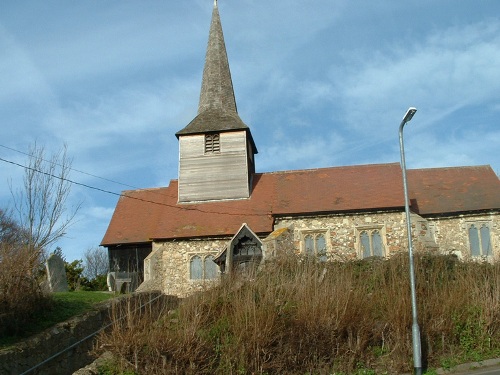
301,317
58,307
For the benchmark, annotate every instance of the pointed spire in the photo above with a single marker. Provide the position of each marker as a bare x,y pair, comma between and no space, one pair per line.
216,87
217,107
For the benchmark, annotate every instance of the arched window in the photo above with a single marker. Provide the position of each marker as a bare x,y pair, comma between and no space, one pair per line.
479,239
371,243
211,269
203,268
315,245
378,247
195,268
364,239
309,244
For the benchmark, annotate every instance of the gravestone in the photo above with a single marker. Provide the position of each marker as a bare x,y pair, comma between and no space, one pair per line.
56,274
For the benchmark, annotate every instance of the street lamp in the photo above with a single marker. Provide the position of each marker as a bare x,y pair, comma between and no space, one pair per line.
417,352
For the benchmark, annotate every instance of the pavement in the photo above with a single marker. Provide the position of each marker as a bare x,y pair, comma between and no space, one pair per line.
486,367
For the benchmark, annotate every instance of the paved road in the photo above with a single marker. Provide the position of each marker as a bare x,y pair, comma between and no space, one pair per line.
484,371
488,367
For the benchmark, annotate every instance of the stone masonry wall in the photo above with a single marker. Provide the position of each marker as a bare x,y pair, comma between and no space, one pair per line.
443,235
173,267
342,232
29,353
167,268
451,234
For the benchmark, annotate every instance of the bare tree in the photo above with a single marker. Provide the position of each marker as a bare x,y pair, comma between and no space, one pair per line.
96,262
41,202
10,232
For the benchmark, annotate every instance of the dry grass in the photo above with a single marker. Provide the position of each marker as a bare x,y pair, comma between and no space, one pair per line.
301,317
21,295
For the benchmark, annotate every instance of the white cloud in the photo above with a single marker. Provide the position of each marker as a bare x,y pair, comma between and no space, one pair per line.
20,77
449,70
310,152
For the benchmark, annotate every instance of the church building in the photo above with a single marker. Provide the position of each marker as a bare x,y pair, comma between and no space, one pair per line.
221,216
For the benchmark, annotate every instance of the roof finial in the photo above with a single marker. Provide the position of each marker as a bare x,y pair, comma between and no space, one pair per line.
215,3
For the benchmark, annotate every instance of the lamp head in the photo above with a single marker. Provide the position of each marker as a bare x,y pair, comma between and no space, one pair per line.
409,114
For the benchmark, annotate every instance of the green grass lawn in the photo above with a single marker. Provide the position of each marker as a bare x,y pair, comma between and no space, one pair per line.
64,306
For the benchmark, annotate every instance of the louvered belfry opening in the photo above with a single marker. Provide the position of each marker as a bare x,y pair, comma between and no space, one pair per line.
212,143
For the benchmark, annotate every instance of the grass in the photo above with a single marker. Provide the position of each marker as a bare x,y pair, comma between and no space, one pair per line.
62,306
302,317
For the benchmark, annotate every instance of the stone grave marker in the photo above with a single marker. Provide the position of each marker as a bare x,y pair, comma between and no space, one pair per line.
56,274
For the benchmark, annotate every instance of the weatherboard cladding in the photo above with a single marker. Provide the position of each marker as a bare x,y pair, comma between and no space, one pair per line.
144,215
215,175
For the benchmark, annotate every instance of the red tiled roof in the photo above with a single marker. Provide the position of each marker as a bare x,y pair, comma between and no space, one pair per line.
143,215
453,190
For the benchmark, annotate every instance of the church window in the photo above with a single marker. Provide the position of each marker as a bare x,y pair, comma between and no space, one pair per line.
211,269
315,244
212,143
203,268
196,269
479,239
371,242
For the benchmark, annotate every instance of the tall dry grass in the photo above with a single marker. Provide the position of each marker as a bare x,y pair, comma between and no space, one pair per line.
297,316
21,294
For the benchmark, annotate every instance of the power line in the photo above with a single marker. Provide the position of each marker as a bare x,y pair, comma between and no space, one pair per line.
109,180
125,195
73,169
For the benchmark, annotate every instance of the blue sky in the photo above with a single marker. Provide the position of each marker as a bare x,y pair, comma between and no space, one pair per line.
323,83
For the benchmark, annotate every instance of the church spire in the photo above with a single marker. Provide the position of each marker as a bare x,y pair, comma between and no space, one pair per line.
217,107
216,149
216,87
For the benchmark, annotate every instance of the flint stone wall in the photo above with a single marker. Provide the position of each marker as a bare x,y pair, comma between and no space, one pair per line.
343,231
444,235
452,236
167,267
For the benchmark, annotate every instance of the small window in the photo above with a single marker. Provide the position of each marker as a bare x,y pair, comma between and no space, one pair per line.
315,245
195,268
211,269
212,143
479,239
371,243
203,268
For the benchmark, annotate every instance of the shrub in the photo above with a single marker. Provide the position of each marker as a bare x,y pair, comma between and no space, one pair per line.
21,293
298,316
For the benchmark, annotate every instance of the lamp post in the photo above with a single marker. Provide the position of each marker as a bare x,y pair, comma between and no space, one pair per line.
417,352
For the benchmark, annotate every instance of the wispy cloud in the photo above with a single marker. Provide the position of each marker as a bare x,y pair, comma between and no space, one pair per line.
447,71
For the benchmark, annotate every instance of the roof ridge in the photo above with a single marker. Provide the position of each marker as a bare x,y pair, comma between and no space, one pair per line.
329,168
143,189
452,167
